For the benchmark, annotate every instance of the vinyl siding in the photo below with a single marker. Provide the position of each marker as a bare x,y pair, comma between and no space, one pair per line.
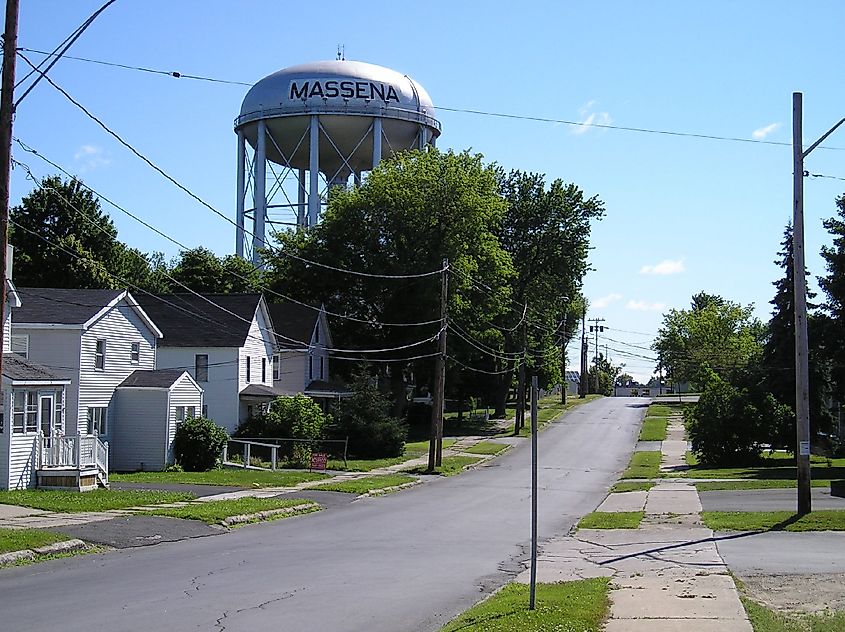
293,369
58,349
5,436
221,389
22,461
258,345
120,327
183,393
139,430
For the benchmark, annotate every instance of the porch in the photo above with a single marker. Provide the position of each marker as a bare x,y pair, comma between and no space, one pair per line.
79,462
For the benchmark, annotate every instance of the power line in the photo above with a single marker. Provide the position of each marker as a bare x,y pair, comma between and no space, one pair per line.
819,175
477,112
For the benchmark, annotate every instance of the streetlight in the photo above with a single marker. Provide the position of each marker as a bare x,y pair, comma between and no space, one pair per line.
802,368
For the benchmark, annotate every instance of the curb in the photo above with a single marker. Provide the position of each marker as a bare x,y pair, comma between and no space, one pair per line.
263,515
387,490
11,557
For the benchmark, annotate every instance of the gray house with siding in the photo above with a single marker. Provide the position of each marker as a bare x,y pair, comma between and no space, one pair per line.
143,437
94,338
225,342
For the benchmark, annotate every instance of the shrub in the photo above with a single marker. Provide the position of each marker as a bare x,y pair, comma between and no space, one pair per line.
364,418
297,417
198,444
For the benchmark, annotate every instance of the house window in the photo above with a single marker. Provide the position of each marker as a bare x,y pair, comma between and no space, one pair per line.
135,353
20,344
263,370
277,368
205,410
310,368
248,379
100,355
321,367
97,418
201,367
185,412
317,334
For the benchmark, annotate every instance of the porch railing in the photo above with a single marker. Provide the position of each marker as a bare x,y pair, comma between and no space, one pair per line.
74,451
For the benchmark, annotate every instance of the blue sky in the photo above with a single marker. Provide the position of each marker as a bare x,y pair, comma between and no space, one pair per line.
683,214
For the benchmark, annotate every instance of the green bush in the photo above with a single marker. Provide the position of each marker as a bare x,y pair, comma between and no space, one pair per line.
729,426
297,417
198,444
364,418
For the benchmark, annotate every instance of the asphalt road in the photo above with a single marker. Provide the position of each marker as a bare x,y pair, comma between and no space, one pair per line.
782,552
404,562
767,500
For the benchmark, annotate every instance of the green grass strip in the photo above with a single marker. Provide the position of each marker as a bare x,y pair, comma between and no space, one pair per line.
611,520
95,500
832,520
765,620
654,429
486,447
451,465
643,465
228,477
368,484
579,606
631,487
215,511
22,539
662,410
713,486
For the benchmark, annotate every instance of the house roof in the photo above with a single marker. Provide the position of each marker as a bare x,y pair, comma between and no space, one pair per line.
19,369
160,378
259,390
72,307
294,323
210,320
322,388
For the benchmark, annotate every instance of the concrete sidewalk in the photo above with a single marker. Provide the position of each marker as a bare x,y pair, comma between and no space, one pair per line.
667,575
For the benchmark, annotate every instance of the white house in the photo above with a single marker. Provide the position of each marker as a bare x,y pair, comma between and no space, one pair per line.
225,342
302,362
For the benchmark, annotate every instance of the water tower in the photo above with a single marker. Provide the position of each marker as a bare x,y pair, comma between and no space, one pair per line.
308,128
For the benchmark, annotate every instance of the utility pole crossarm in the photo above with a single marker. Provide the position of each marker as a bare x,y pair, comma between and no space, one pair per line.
822,139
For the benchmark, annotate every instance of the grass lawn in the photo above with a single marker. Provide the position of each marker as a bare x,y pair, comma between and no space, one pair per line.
654,429
643,465
711,486
451,465
775,467
486,447
412,451
21,539
632,487
368,484
579,606
611,520
765,620
548,409
96,500
774,521
227,477
663,410
215,511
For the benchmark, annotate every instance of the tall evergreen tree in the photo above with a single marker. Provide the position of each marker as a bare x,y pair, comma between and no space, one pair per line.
833,286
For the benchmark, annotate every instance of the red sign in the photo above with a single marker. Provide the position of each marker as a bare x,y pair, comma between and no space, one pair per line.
319,460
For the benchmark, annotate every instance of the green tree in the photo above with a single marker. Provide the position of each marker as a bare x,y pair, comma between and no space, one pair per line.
714,334
413,211
297,417
198,444
833,285
603,376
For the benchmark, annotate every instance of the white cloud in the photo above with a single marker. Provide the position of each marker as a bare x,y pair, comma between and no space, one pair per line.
604,301
762,132
645,306
667,266
590,118
90,157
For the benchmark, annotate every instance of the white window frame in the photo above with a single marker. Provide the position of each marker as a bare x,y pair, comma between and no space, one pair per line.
277,367
263,370
135,352
100,355
98,420
248,371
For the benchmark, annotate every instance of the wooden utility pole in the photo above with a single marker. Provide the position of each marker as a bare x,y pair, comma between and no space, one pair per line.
596,357
582,387
563,381
7,114
519,419
435,448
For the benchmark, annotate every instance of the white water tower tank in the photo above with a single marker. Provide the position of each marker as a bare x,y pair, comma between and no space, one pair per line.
314,125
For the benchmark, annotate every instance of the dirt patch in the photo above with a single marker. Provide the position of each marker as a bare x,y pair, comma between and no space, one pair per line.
797,593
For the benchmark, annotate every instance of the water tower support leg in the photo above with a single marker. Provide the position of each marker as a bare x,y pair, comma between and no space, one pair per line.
377,134
241,192
259,183
314,175
300,199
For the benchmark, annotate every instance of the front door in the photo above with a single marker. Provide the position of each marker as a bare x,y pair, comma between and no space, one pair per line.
46,411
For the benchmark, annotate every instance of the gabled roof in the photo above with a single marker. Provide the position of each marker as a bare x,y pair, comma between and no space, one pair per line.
259,390
293,323
19,369
160,378
210,320
72,307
